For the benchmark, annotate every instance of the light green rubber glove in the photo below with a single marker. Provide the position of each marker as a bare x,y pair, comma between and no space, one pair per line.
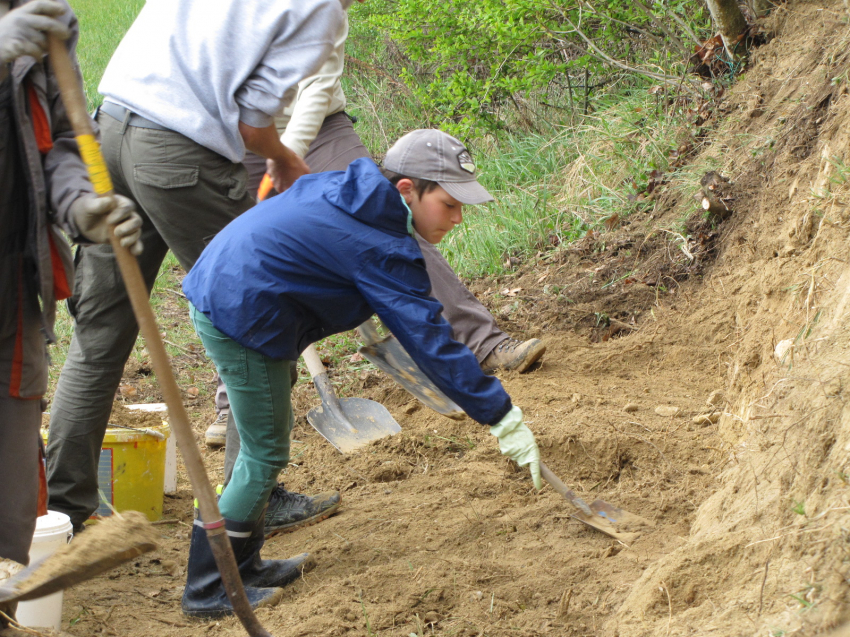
517,443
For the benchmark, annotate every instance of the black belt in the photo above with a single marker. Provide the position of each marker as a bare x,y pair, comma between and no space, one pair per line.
121,114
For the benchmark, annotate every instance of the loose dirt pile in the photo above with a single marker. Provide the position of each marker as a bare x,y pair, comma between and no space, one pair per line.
661,395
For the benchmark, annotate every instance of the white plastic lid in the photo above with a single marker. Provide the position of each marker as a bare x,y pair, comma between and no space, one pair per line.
52,524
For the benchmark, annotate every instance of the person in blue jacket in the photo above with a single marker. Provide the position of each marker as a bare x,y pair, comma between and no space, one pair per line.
317,260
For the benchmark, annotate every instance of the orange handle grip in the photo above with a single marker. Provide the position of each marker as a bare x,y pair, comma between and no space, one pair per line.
265,188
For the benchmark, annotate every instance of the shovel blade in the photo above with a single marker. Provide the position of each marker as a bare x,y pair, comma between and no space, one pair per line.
368,420
615,522
600,515
391,358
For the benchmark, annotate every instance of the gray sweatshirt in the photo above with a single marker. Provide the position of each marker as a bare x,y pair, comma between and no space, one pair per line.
199,67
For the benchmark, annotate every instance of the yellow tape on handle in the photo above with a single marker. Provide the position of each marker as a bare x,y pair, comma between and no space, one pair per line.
99,175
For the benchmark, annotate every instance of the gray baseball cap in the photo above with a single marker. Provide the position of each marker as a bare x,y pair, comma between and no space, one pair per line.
437,156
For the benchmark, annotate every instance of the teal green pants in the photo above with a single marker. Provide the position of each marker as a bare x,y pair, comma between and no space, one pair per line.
258,388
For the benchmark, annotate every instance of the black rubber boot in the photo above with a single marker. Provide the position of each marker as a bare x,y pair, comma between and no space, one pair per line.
258,572
204,595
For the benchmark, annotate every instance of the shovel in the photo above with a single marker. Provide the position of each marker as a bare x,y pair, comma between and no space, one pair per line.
108,544
611,520
390,357
350,423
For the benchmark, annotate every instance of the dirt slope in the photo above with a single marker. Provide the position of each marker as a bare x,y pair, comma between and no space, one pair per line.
440,535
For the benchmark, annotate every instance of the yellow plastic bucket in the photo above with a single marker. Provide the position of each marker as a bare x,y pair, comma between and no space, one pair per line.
131,471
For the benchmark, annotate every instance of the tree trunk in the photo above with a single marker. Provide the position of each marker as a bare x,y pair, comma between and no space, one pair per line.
731,24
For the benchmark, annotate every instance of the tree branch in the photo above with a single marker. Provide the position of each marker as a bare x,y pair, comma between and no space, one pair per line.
595,50
683,50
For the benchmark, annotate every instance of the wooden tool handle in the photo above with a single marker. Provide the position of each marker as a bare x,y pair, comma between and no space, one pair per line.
75,105
561,488
314,363
266,186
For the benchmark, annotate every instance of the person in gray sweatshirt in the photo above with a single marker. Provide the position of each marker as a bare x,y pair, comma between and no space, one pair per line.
180,109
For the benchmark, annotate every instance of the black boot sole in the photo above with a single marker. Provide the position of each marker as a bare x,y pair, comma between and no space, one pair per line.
271,600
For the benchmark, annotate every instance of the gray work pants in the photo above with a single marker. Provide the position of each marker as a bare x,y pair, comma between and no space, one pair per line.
20,421
185,194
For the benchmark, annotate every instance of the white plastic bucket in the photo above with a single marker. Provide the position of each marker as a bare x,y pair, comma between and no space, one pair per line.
51,532
170,481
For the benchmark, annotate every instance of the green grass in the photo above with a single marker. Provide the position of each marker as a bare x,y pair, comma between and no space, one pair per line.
102,25
551,190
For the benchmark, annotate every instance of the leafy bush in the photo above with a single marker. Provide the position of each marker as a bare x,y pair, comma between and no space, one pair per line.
495,64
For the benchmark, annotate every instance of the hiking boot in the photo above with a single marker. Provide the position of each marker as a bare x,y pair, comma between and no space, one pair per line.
216,435
513,355
288,511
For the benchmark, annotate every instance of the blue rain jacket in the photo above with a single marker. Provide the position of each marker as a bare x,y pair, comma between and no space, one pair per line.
320,259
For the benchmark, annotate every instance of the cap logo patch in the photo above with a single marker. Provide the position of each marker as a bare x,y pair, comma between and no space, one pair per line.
465,161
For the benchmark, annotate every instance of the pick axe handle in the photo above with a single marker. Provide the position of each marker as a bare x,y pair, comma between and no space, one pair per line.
75,105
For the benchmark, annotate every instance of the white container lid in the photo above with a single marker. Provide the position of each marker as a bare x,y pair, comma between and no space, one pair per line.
51,525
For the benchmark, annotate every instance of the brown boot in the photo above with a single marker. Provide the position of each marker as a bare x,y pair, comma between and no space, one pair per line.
216,434
513,355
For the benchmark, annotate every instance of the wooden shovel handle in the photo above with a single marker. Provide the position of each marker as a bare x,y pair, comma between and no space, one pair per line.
75,105
314,363
561,488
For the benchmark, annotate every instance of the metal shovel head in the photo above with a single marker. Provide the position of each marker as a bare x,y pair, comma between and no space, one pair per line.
391,358
600,515
368,420
614,521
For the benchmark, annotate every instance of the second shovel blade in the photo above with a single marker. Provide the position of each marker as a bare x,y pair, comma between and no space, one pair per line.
369,421
391,358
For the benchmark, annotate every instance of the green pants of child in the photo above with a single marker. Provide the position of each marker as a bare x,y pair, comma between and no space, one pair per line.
258,388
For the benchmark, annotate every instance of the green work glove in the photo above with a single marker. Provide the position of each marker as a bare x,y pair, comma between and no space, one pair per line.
517,442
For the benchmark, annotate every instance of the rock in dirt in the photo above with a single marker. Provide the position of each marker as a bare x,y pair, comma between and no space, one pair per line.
631,408
782,348
715,398
667,411
8,568
431,617
706,419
